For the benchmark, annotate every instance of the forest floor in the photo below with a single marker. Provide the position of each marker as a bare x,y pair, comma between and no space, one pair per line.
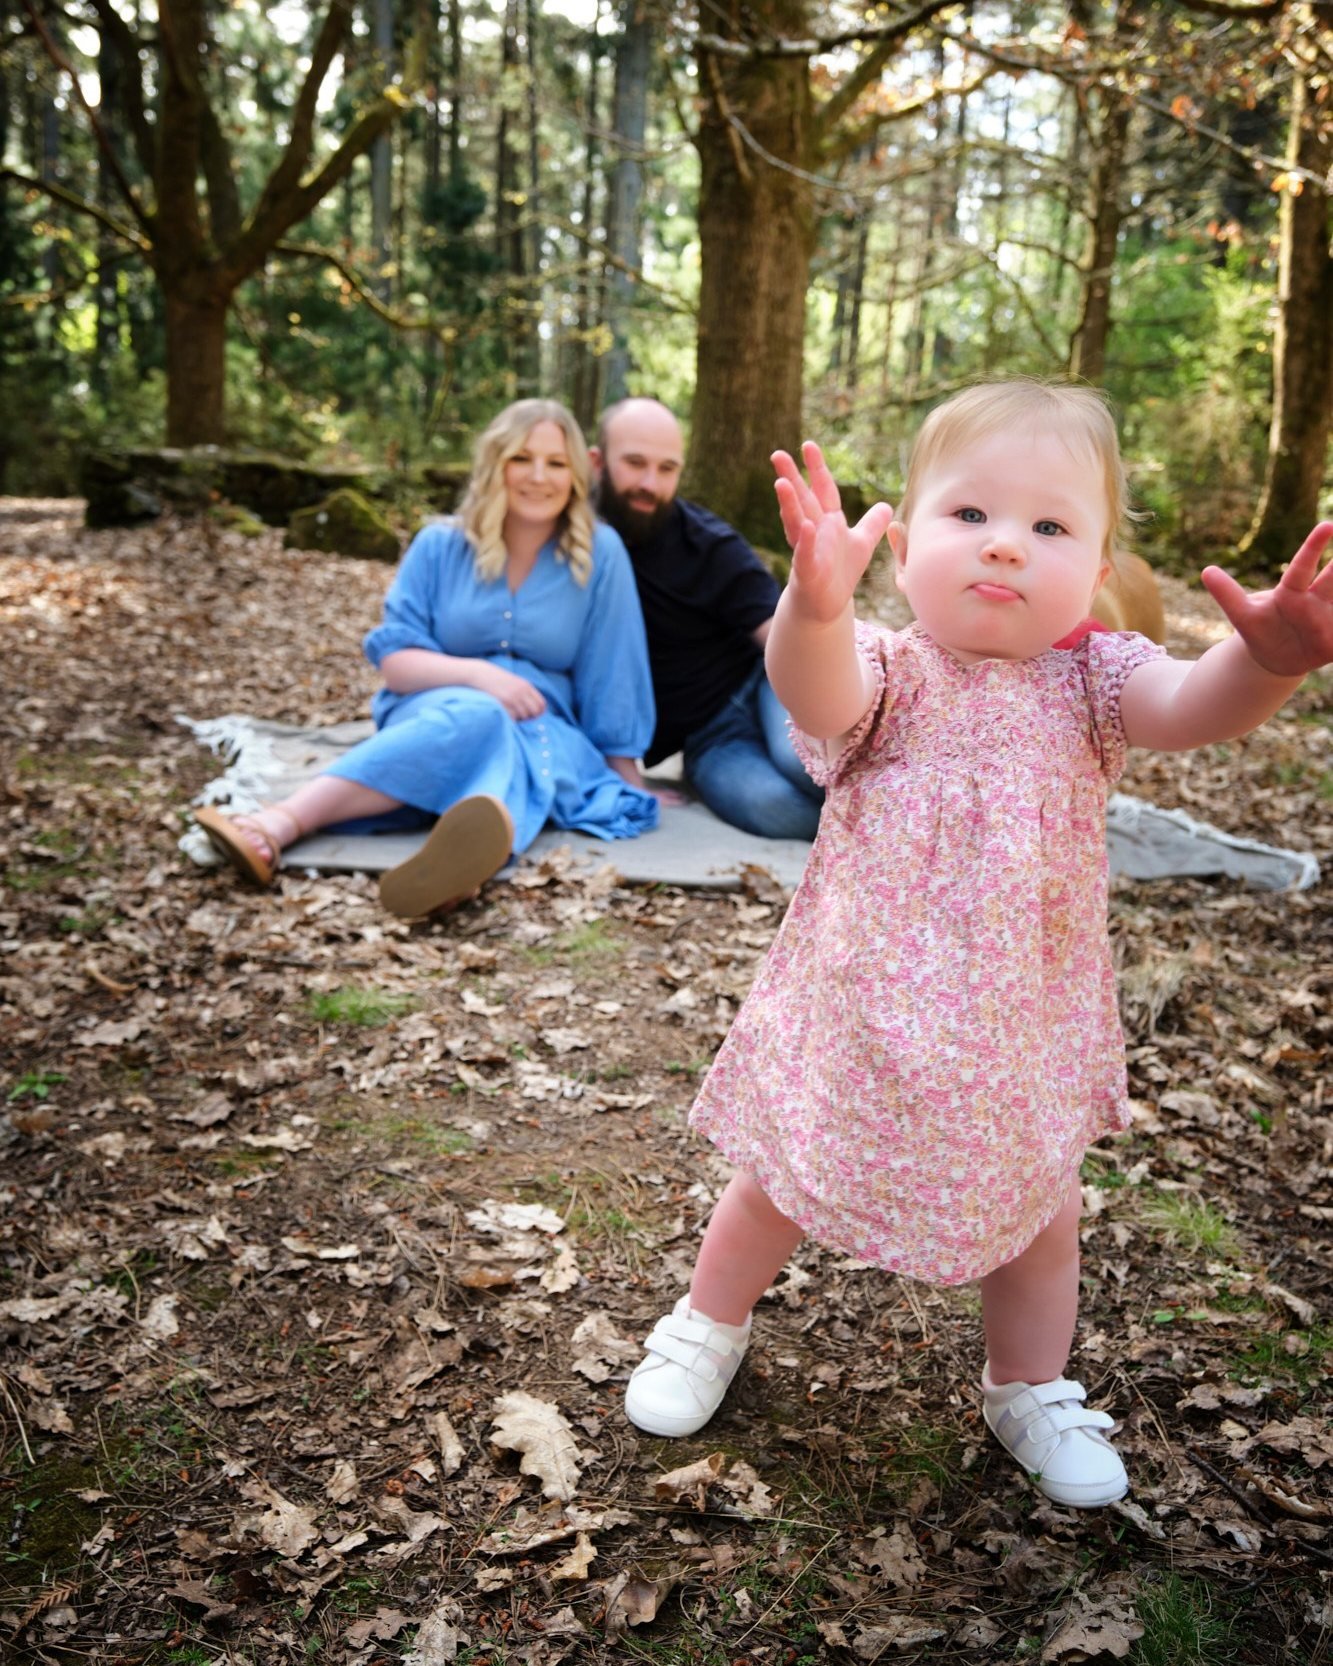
327,1241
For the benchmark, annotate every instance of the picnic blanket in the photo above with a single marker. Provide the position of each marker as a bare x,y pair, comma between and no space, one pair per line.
692,847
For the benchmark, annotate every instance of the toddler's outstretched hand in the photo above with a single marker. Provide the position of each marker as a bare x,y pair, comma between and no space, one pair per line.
1288,629
828,556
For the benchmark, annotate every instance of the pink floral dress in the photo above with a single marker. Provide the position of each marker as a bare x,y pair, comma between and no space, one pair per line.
934,1039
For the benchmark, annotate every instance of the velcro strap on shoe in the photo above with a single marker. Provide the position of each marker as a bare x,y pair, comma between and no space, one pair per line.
1045,1394
1078,1417
687,1354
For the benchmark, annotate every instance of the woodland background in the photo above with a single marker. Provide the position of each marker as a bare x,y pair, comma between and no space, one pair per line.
356,230
327,1240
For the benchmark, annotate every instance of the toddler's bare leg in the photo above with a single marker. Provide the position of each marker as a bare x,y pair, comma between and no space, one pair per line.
1030,1305
746,1245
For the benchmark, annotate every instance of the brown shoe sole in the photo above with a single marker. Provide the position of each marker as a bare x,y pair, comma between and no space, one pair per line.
231,844
471,841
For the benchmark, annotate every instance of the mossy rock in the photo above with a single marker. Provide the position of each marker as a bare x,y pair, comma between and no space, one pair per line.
346,523
233,518
125,487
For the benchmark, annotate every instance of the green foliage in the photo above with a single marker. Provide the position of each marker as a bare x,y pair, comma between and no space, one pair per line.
36,1084
1195,389
368,1007
1182,1625
1192,1224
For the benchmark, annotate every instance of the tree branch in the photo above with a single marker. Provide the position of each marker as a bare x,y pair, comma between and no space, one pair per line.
126,43
103,138
284,181
890,33
363,289
67,199
270,220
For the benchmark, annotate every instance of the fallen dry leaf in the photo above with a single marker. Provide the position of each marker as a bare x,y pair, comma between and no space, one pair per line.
537,1429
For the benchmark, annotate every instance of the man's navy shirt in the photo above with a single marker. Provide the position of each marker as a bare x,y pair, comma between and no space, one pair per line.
703,591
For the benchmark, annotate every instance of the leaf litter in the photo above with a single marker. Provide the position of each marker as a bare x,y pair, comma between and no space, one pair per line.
315,1333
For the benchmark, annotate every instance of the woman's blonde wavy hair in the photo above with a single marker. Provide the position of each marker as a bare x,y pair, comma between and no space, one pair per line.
485,503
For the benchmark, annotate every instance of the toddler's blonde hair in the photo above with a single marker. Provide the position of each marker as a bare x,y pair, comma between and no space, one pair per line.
1080,416
486,502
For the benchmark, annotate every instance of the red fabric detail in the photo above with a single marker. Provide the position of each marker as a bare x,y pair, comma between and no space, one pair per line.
1079,632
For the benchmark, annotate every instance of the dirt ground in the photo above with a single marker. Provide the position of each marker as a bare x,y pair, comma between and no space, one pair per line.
328,1241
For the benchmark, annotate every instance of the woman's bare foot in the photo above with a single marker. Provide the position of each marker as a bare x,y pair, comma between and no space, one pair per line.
253,842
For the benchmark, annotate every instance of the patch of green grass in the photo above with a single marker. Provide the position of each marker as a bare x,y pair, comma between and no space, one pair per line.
348,1005
594,940
241,1162
1182,1625
1191,1224
128,1277
1097,1170
89,923
43,1521
390,1130
357,1594
920,1449
36,1084
677,1067
1267,1356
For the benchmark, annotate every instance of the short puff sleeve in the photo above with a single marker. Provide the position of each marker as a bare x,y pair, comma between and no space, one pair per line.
1103,661
888,657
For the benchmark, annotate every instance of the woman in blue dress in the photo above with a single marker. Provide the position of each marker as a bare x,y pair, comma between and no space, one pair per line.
516,686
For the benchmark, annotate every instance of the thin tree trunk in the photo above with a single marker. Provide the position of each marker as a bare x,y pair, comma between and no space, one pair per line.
1302,350
1105,213
858,292
511,243
757,230
455,88
107,288
587,365
629,122
381,157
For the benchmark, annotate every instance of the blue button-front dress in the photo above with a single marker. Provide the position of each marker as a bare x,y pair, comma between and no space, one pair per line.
583,646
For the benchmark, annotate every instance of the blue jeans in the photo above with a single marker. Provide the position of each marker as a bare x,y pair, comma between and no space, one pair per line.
744,767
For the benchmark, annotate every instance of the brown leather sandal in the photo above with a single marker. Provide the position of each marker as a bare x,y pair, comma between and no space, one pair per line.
471,841
226,835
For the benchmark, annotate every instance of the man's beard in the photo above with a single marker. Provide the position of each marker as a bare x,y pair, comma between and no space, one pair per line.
635,525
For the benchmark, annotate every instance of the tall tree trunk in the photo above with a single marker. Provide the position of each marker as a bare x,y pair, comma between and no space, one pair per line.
534,187
381,157
511,244
1302,348
857,296
107,289
1087,356
757,235
629,123
455,89
50,162
587,366
196,367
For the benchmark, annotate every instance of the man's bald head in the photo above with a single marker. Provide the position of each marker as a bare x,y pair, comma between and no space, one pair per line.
648,419
638,458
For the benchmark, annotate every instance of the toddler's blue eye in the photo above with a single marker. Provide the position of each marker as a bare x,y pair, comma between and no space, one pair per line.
1049,529
973,517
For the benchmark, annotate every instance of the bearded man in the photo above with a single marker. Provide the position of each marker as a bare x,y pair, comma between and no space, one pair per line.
708,602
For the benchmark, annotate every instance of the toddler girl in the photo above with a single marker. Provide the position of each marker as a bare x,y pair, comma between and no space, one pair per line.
933,1040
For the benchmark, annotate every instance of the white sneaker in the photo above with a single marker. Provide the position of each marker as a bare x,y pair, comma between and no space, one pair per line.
690,1363
1056,1439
